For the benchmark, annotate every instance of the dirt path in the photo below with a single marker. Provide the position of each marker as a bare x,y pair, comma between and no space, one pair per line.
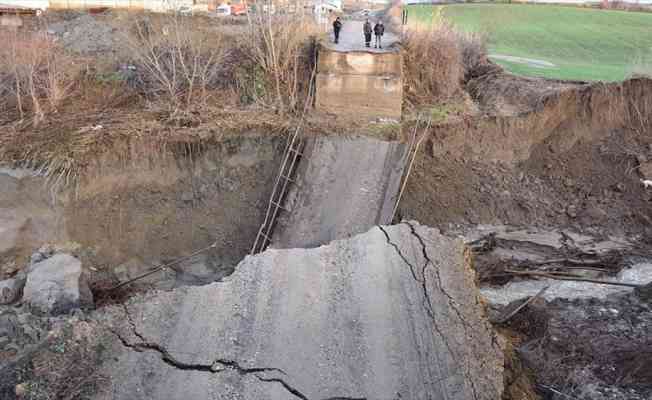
352,38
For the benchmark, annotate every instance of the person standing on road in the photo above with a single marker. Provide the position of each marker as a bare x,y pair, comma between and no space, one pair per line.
366,29
379,31
337,27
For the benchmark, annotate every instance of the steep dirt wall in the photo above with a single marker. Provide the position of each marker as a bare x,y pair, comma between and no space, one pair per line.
152,210
572,160
586,112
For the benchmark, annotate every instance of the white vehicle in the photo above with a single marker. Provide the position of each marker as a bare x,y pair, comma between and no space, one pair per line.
223,11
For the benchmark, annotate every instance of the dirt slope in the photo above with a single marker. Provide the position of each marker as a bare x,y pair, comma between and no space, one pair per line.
573,159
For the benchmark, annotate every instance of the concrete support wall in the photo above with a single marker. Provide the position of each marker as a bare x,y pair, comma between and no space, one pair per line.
360,83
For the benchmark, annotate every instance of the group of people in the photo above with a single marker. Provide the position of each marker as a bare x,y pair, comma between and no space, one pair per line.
378,30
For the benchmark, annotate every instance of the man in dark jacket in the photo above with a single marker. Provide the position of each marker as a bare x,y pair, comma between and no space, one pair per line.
366,29
379,31
337,27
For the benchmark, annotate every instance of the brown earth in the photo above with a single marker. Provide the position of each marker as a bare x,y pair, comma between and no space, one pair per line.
570,161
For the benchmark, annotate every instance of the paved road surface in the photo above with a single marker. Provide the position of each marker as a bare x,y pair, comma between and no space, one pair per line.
352,38
361,318
344,187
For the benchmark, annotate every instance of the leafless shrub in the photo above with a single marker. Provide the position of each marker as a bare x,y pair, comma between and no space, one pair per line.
35,73
282,51
175,62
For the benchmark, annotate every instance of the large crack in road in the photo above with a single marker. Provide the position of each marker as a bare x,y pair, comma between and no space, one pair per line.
217,366
345,321
428,303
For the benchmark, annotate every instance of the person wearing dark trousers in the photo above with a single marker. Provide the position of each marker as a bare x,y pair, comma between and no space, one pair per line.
366,29
337,27
379,31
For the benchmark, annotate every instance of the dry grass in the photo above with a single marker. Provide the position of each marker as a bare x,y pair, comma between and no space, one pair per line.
36,76
438,60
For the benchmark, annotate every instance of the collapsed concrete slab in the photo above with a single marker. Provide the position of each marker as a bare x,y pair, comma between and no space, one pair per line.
344,187
388,314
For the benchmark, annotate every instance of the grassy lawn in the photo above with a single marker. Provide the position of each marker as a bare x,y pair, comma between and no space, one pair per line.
582,43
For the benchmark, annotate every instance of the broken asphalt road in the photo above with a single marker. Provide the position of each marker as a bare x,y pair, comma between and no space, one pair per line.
344,187
389,314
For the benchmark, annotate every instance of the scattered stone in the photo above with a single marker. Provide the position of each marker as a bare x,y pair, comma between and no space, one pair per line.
85,35
187,197
619,187
8,325
645,169
217,367
10,290
645,292
21,390
46,251
57,285
571,211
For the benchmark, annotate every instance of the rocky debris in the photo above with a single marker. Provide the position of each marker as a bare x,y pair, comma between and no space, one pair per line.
589,349
645,169
19,329
57,285
637,274
10,290
645,292
391,313
59,363
516,263
44,252
85,34
498,249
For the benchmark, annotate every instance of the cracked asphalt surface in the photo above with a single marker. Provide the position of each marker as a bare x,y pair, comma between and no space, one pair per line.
392,313
344,187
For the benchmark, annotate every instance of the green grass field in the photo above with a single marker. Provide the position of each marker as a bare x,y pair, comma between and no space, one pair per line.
582,43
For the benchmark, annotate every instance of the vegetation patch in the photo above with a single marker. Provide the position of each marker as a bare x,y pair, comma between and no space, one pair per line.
579,43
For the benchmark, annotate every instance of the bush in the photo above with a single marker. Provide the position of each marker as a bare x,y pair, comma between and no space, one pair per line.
268,61
175,62
439,60
35,74
282,52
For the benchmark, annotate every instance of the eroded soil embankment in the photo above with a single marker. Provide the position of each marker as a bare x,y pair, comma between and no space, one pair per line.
142,211
572,160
